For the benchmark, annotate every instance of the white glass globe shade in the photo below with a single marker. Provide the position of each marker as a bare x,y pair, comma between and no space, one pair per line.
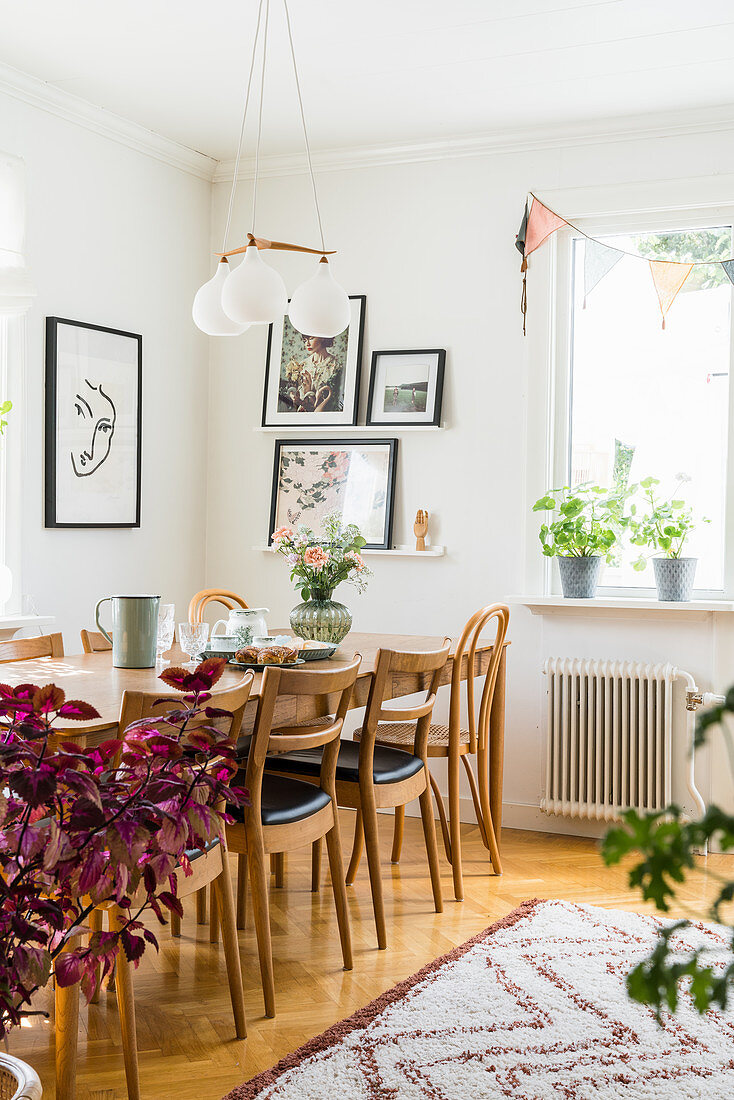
320,307
207,309
254,292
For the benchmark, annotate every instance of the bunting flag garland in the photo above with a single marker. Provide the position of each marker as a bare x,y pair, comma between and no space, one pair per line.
599,259
668,278
539,222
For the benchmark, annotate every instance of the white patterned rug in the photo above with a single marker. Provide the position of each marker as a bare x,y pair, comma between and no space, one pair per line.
534,1008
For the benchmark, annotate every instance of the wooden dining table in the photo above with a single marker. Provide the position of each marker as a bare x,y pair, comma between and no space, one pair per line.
93,678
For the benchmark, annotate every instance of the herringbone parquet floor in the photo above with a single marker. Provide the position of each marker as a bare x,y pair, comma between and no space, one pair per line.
185,1032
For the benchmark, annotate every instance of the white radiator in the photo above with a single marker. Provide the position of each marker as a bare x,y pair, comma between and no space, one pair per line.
609,737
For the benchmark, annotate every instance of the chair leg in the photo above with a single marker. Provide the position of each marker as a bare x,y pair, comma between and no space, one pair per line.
126,1008
201,906
429,832
442,816
455,827
225,903
175,926
494,849
213,916
241,891
95,923
67,1038
261,913
398,832
372,843
336,866
279,870
316,865
357,847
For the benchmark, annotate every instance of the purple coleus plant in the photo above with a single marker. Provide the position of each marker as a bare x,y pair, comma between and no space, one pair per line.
82,826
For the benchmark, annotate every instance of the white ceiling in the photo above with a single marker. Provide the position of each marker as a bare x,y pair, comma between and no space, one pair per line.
376,72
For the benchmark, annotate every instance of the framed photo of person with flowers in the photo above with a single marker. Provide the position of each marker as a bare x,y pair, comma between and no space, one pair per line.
312,380
314,479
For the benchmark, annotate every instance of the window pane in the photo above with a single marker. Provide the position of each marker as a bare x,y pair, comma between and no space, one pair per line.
661,393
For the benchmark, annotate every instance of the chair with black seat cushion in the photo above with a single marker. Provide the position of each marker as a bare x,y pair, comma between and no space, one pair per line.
285,813
371,776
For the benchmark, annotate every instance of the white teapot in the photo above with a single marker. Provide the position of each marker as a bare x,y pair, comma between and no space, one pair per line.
243,624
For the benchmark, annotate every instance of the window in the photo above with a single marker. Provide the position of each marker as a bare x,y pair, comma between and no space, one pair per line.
651,399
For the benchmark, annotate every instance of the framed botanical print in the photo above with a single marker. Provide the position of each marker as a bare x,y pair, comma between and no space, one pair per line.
311,380
93,425
313,478
406,387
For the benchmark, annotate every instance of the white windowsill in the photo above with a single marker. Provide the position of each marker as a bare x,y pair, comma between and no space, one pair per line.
548,605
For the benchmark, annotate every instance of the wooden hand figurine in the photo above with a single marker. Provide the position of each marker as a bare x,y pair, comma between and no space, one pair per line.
419,529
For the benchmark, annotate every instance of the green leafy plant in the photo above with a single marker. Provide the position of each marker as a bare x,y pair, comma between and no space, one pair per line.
665,523
664,846
589,521
5,407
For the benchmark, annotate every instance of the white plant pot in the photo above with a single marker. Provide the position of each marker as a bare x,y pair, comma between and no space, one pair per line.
27,1084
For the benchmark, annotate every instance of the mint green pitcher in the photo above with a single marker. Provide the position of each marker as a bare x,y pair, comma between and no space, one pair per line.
134,630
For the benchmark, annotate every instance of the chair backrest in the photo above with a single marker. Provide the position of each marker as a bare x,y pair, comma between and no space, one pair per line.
199,602
153,704
334,687
428,664
26,649
467,644
94,642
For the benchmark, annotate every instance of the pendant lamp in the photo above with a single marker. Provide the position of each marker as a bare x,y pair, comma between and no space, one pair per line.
254,292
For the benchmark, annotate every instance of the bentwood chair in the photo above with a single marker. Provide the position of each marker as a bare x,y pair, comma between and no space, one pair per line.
199,602
456,743
27,649
370,777
285,813
208,866
94,642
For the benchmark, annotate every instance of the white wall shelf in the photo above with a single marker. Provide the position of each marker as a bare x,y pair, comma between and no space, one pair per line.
548,605
353,429
396,552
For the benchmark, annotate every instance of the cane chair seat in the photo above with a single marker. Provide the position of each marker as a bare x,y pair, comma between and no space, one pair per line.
402,735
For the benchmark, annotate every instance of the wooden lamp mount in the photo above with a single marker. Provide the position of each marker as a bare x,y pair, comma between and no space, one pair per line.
280,246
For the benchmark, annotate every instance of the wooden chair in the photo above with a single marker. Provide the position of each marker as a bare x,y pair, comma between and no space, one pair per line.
27,649
370,777
210,866
284,813
199,602
457,743
94,642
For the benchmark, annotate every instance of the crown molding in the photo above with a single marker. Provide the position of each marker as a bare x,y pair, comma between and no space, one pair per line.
28,89
648,127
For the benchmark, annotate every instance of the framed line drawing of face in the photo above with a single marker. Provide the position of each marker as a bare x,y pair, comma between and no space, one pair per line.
313,478
312,380
93,425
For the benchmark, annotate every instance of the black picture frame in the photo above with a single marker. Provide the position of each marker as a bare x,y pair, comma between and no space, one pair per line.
433,417
51,518
346,444
318,421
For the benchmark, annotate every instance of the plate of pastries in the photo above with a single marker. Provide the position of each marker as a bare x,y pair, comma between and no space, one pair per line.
261,657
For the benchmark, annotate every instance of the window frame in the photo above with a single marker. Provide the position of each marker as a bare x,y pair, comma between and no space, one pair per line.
553,272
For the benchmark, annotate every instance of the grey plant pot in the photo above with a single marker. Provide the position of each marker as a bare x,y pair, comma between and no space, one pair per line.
579,576
674,578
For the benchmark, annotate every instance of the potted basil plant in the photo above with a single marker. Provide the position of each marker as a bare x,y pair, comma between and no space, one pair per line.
664,525
583,533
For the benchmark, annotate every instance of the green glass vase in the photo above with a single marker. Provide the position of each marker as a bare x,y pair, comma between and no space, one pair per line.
321,619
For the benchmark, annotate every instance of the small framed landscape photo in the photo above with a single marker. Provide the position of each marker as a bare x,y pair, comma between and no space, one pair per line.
406,387
93,425
313,381
314,478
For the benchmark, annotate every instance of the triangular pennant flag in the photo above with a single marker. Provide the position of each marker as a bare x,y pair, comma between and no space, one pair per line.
541,223
728,266
668,278
599,259
520,236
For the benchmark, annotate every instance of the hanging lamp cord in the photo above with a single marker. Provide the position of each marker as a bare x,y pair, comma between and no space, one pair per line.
238,156
260,115
303,123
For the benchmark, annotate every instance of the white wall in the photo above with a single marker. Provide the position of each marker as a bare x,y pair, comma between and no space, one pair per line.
432,246
117,238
